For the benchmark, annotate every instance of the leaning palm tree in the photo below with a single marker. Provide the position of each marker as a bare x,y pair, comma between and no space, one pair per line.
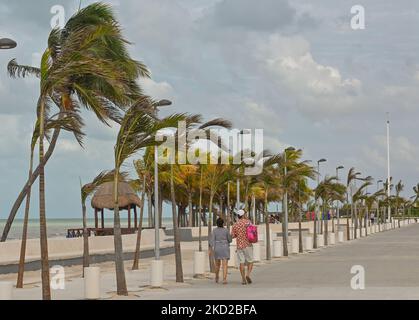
143,169
399,188
85,191
137,131
89,63
67,121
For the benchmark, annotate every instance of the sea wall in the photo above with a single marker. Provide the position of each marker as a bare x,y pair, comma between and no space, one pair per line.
63,248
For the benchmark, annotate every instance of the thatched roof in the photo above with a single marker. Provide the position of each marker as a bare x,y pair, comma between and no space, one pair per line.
103,197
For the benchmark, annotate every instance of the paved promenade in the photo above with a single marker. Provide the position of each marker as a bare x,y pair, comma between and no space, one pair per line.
390,260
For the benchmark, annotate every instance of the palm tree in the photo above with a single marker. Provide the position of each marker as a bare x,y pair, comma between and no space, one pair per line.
144,172
329,190
352,177
137,131
215,176
86,64
85,191
399,188
68,121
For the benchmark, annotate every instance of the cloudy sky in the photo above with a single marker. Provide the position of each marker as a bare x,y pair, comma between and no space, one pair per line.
294,68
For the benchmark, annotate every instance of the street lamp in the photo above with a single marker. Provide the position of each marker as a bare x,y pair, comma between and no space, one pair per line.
337,203
6,43
161,103
318,182
285,204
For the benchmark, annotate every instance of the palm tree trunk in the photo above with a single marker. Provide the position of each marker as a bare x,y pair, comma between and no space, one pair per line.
284,232
26,188
268,231
121,284
176,234
211,256
326,227
86,259
149,209
139,231
300,233
200,213
19,283
46,291
315,231
191,213
348,231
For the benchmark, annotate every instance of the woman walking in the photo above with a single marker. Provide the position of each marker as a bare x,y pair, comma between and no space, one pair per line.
220,245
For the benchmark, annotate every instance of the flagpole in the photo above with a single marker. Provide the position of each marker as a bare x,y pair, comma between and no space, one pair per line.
388,166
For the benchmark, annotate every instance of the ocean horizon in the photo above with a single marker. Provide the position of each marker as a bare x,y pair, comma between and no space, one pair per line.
57,227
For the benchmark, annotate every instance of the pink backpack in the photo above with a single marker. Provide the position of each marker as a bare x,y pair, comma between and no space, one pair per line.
252,233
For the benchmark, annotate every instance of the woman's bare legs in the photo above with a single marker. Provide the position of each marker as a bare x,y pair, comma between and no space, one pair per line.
217,269
225,266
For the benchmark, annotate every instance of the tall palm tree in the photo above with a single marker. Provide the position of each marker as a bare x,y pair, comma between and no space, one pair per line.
137,131
144,172
86,191
68,121
86,64
399,188
329,190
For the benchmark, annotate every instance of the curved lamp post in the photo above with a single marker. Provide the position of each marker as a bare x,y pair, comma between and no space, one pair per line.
6,43
161,103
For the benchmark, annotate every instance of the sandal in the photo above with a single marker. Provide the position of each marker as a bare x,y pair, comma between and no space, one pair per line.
249,281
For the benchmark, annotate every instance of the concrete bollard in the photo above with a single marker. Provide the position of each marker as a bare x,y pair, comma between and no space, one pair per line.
362,232
92,283
6,290
199,263
332,238
277,249
308,243
294,245
233,254
256,252
341,236
320,240
157,271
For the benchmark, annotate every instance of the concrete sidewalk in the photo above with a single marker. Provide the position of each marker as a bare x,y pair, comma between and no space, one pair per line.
390,260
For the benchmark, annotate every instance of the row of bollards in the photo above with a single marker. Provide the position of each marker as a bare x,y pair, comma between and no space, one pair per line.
92,275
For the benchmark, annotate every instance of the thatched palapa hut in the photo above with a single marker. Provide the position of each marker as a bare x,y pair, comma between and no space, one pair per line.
127,200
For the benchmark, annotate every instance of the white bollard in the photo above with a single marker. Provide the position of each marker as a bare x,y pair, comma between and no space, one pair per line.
277,249
199,263
341,237
376,228
233,254
362,232
157,273
308,243
332,238
256,252
6,290
320,240
92,283
294,245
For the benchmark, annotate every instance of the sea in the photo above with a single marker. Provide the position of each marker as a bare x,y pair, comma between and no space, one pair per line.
57,228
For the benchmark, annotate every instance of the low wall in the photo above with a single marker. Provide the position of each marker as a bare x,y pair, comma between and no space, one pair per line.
64,248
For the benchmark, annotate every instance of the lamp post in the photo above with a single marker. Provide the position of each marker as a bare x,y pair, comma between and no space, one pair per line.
161,103
388,165
337,203
6,43
318,182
